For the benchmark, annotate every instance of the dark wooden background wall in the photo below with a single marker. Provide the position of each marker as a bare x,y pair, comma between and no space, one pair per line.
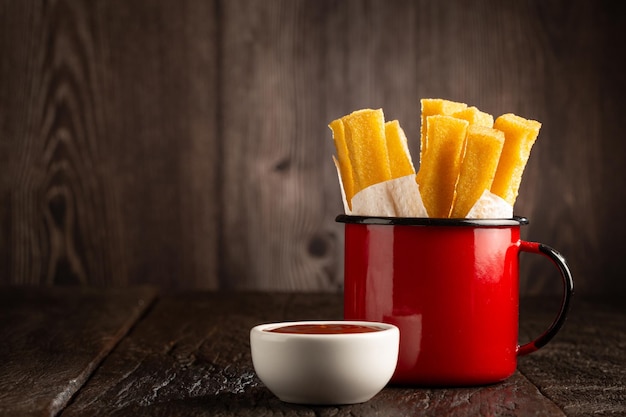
185,143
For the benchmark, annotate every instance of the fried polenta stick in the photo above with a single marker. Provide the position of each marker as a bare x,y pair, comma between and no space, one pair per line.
441,163
398,150
475,116
367,147
431,107
343,159
519,136
482,153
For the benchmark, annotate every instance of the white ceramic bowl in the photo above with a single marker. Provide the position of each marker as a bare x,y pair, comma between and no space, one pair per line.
345,368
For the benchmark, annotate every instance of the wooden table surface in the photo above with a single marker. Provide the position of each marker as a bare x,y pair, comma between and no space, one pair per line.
75,352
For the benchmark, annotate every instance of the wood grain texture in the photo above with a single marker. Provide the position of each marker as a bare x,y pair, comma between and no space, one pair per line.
576,369
54,339
110,144
191,356
190,348
278,208
185,144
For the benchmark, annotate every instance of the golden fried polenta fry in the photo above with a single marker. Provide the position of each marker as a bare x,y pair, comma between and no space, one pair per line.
519,136
343,159
431,107
367,148
475,116
478,168
398,149
441,163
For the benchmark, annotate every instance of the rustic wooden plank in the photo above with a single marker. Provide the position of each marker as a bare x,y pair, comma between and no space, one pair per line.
54,338
583,370
108,143
59,200
160,103
279,222
191,357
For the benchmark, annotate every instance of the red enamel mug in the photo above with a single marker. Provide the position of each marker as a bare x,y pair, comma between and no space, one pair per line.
452,288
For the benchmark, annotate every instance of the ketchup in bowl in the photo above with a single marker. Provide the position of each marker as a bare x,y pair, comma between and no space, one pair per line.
324,362
333,328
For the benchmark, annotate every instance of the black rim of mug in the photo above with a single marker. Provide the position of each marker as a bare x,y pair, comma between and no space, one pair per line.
426,221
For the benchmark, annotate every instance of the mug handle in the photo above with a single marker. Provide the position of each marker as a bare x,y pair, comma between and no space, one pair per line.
568,292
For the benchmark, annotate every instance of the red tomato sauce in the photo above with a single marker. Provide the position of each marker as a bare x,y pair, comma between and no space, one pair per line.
326,329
